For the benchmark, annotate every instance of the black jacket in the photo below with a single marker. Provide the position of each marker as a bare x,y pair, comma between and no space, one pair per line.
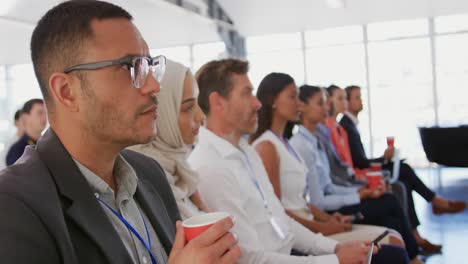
50,215
358,153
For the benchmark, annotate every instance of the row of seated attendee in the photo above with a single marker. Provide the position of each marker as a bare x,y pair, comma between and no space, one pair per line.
79,196
347,141
287,170
232,178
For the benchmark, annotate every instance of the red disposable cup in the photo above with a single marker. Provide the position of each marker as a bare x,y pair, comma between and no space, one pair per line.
390,141
376,166
198,224
374,179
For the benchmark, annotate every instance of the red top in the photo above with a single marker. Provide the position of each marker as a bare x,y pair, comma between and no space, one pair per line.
339,139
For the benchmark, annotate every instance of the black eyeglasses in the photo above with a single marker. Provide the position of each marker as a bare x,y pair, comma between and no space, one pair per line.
138,66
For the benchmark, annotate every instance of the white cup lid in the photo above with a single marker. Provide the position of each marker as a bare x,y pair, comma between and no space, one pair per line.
204,219
374,173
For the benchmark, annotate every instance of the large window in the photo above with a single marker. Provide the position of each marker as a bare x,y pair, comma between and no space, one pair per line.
275,53
453,23
203,53
398,29
194,56
17,85
401,94
337,56
452,79
22,85
342,65
3,91
179,54
4,122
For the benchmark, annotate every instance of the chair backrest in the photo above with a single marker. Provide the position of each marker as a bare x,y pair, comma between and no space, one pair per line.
446,146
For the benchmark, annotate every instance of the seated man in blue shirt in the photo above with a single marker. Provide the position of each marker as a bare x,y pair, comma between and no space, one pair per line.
35,120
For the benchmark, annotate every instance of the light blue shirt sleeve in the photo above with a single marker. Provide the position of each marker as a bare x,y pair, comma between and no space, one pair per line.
337,189
321,192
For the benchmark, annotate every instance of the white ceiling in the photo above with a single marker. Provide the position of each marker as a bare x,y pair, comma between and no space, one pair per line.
161,23
258,17
164,25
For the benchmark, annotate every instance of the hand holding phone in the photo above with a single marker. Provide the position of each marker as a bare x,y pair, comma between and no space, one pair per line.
357,216
380,237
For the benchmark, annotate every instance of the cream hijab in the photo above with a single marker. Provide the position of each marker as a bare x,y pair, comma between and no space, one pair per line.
168,148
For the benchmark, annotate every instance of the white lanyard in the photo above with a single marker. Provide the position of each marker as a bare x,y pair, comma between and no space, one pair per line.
255,182
281,232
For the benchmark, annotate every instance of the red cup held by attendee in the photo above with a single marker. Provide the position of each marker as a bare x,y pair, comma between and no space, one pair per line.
376,166
374,179
198,224
391,142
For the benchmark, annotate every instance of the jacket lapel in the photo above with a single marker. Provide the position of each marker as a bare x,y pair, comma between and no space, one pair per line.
83,207
153,206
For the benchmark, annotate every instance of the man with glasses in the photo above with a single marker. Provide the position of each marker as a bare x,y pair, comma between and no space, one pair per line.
76,197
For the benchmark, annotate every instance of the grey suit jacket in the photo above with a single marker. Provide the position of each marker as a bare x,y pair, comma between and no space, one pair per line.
50,215
338,169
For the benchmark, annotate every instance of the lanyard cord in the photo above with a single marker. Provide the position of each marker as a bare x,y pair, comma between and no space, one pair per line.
255,181
288,146
133,230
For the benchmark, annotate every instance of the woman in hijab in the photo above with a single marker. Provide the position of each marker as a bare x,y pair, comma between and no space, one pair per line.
179,118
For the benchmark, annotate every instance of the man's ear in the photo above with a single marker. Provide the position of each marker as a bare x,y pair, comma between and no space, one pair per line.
63,90
216,102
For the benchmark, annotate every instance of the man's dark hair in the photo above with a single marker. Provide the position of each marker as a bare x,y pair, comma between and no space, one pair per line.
350,89
216,76
28,106
58,41
18,114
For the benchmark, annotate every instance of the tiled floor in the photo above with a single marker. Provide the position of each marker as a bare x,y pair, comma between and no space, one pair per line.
449,230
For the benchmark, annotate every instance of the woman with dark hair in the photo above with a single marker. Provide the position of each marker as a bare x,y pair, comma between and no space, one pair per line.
278,94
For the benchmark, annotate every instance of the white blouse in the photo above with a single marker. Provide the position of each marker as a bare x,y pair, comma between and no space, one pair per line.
292,172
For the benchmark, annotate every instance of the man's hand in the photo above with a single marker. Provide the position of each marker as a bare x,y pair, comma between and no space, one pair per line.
354,252
337,217
366,193
215,245
377,192
389,152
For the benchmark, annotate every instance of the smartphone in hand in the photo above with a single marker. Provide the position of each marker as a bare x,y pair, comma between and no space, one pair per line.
380,237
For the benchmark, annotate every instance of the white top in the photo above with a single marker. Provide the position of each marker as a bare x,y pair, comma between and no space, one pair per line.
292,172
226,185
